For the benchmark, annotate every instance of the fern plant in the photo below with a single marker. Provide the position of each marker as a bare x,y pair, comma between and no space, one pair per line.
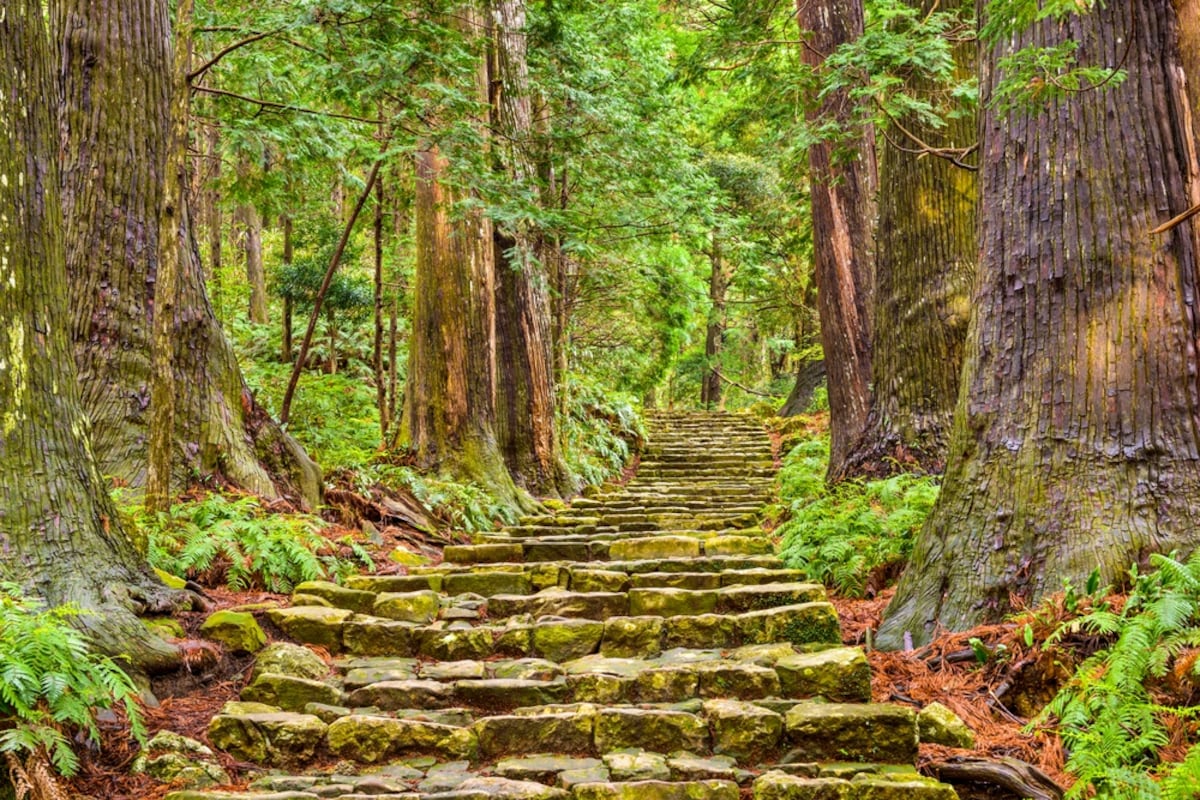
841,535
236,538
1113,716
51,683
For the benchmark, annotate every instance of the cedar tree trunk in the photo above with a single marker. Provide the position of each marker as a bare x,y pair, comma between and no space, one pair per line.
714,339
115,123
843,183
60,536
1076,441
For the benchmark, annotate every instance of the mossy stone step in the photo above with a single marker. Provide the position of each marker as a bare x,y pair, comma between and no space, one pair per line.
865,786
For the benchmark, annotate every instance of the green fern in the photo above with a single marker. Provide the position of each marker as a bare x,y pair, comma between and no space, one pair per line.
1110,715
250,547
51,684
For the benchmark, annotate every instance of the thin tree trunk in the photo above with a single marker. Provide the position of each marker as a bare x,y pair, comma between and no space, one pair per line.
62,538
843,180
172,238
377,351
714,340
1075,442
289,255
115,114
250,222
926,252
526,424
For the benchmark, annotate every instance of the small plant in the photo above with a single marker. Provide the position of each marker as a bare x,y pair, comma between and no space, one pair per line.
234,539
599,431
1116,715
51,685
842,535
461,506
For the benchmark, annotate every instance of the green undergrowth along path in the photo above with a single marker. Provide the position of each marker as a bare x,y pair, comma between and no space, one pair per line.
642,643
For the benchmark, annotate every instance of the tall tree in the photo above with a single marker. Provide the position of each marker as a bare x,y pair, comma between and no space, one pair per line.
117,56
926,252
449,418
525,388
1075,443
60,535
843,179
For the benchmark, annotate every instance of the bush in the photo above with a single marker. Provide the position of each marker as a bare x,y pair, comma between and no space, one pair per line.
51,685
842,535
461,506
599,431
236,540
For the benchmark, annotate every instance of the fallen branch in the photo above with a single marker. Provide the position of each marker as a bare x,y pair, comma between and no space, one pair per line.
1177,221
1023,780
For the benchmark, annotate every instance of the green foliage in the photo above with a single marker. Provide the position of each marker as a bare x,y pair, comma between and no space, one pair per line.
1113,715
236,539
599,430
841,535
52,684
460,506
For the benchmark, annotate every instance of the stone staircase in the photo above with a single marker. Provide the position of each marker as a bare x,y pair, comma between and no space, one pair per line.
642,644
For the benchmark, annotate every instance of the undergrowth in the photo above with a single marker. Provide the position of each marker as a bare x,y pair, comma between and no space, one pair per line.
843,535
599,431
51,685
237,541
1128,717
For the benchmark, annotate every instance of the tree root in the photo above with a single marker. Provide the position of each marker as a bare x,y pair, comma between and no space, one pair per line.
1023,780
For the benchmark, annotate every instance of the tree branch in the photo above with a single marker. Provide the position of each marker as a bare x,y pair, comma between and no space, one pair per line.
212,62
286,107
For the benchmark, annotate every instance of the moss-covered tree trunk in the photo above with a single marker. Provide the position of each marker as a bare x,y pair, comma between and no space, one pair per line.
115,95
449,419
714,334
842,177
926,251
60,536
1076,441
525,387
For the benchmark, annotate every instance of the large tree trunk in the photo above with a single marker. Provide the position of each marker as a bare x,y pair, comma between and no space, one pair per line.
60,535
714,338
926,251
1075,442
842,176
117,59
525,404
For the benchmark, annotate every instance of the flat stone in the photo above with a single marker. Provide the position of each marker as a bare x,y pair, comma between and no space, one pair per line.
840,674
529,734
637,765
273,739
453,671
937,724
374,636
534,669
632,637
482,553
399,670
543,769
667,684
557,551
472,644
745,731
391,695
738,546
657,790
739,599
782,786
418,607
689,767
372,739
596,580
806,623
898,787
570,778
650,729
356,600
702,630
312,625
740,681
677,580
378,584
654,548
671,602
237,631
290,693
852,732
566,640
559,603
285,658
488,584
193,794
502,694
600,688
492,788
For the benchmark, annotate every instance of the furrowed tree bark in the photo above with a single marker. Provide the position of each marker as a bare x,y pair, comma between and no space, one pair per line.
926,252
526,424
843,180
215,217
714,338
1076,441
60,536
114,125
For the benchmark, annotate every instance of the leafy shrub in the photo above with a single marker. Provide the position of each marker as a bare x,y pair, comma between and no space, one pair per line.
599,431
841,535
1114,716
462,506
51,684
235,539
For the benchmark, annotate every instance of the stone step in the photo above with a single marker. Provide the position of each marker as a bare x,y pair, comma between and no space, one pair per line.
608,534
716,563
633,548
342,631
